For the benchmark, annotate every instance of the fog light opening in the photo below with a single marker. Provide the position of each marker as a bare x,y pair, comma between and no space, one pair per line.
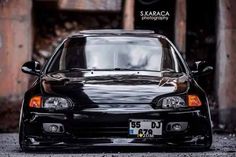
53,128
177,127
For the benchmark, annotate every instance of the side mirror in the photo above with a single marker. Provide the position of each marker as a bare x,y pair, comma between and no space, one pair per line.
31,67
201,68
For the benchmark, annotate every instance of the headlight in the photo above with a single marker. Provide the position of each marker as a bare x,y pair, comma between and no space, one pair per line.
56,103
172,102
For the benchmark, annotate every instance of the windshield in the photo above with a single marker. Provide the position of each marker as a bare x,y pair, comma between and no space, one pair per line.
116,52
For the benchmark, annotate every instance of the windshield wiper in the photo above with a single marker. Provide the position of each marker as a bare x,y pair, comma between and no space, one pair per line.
71,70
168,70
117,69
124,69
77,69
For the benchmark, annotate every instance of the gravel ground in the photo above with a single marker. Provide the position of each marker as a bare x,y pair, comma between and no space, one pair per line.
223,145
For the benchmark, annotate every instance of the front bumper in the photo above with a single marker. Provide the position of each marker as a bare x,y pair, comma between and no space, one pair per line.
111,129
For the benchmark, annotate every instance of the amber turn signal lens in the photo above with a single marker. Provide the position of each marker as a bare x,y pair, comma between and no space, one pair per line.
35,102
194,101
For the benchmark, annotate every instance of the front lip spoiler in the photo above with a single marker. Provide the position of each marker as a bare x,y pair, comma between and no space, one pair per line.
121,148
188,142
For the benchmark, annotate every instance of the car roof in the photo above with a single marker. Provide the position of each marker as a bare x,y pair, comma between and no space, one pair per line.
115,32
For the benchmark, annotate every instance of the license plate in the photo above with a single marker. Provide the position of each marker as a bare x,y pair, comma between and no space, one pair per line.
145,127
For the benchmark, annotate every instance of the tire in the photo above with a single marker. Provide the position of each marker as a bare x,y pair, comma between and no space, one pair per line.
22,136
208,140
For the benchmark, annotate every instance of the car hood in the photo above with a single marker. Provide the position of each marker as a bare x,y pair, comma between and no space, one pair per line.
113,87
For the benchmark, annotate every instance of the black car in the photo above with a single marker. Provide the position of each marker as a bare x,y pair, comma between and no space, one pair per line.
115,88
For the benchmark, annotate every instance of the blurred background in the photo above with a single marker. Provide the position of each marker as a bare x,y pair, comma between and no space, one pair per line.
201,30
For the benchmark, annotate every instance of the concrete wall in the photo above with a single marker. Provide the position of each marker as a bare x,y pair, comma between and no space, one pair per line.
90,5
226,63
15,45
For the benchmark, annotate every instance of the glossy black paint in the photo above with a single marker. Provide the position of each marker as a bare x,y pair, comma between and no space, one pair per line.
104,101
31,67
